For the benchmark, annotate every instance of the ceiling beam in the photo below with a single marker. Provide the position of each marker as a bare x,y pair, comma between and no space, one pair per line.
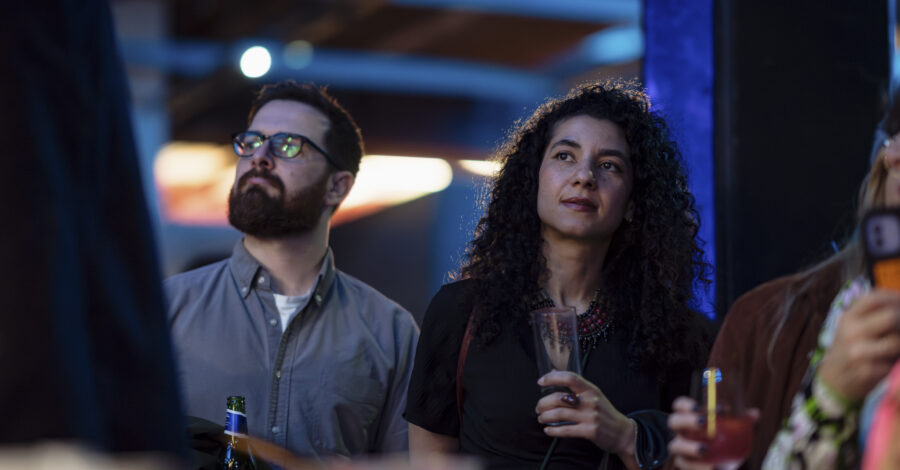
402,73
597,11
351,70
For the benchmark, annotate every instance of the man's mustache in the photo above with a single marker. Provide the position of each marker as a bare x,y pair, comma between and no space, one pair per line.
257,173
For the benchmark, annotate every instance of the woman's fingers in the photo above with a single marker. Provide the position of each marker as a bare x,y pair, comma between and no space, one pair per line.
560,414
880,321
570,430
885,348
866,344
685,421
684,416
574,382
687,448
684,404
557,399
874,300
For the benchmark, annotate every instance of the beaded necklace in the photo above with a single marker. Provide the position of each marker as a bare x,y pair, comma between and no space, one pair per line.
594,324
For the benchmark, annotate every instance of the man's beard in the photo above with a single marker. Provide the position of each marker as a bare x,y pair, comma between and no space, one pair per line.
254,212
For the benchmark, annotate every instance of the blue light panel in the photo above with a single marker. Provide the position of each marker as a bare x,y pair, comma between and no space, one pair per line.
678,74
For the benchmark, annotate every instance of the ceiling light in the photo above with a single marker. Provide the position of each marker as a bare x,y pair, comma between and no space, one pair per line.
389,180
255,62
488,168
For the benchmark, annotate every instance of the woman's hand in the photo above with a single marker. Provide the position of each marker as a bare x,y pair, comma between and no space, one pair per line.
685,418
594,418
866,345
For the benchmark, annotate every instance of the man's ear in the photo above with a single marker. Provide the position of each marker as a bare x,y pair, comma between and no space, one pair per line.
340,184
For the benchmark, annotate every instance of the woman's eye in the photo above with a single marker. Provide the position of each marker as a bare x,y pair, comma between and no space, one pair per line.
564,156
609,166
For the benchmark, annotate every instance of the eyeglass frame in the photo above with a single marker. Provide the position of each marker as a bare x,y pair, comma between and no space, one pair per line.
267,141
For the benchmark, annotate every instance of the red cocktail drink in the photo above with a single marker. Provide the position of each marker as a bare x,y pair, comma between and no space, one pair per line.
731,440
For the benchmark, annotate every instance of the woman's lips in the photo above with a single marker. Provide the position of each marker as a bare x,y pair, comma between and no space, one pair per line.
580,204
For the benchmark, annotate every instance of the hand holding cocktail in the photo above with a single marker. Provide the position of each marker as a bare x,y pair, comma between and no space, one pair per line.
713,430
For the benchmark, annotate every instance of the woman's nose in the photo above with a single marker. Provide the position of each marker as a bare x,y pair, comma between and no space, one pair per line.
585,176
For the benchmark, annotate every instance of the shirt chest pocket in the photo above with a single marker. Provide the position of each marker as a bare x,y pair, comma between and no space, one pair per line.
346,403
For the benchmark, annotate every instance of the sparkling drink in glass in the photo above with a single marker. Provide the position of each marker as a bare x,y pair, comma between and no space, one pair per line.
556,344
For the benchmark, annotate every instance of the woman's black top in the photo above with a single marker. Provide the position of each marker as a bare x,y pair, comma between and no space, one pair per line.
499,424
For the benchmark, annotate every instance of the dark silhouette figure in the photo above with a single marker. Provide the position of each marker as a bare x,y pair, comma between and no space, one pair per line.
84,349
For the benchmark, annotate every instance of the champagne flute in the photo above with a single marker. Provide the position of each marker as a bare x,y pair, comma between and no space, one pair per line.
556,344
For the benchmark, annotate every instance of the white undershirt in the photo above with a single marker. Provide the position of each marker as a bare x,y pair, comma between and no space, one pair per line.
289,306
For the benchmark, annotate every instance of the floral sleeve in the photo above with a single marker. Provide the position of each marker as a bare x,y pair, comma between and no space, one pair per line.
822,428
820,432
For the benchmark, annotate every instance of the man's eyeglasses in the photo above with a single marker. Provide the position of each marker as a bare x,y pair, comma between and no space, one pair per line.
282,144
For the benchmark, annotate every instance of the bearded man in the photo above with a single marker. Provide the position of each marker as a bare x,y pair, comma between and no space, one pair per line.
322,358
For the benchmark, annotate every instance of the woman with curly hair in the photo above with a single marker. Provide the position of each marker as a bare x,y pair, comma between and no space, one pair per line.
591,210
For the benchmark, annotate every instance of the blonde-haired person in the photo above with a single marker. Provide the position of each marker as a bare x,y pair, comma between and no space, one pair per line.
810,346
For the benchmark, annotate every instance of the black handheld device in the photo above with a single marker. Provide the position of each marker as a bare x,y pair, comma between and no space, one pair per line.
880,236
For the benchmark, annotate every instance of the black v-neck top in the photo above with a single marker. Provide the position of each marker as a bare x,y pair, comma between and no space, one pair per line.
501,392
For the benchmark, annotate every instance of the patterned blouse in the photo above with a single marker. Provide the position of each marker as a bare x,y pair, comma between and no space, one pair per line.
822,429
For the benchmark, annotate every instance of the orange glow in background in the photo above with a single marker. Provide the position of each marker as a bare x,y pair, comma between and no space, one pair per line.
193,181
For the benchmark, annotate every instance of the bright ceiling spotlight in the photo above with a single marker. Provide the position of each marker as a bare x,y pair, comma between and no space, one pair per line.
255,62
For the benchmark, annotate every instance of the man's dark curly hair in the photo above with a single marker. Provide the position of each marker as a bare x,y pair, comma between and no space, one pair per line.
653,261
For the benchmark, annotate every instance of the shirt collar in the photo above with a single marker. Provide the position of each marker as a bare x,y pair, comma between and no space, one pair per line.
246,269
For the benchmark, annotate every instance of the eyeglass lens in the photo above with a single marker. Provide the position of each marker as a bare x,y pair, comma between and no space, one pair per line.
281,144
286,146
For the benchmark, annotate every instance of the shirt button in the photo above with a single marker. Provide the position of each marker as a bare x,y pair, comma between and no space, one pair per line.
275,429
262,279
273,321
318,299
277,374
244,290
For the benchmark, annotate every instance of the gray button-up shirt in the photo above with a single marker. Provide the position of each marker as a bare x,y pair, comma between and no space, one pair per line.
334,383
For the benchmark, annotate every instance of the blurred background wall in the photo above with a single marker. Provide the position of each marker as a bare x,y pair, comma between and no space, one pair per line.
773,105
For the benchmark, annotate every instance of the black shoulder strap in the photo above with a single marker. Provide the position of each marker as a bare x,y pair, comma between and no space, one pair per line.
463,351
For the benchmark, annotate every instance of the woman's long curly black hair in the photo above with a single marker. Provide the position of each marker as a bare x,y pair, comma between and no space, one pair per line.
652,262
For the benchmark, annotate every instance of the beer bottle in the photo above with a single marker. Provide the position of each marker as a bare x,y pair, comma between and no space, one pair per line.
236,455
